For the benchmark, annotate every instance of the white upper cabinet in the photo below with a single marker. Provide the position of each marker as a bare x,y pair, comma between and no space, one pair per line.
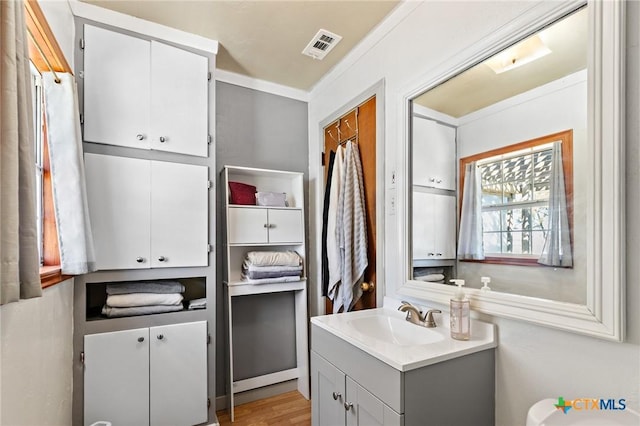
144,94
179,99
434,154
117,88
147,214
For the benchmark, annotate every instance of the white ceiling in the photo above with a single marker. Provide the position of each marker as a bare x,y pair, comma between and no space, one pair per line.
479,86
263,39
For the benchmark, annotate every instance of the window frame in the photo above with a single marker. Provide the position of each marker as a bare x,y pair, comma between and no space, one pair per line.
566,138
46,56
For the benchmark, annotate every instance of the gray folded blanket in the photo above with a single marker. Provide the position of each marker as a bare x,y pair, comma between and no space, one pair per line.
139,310
145,287
271,274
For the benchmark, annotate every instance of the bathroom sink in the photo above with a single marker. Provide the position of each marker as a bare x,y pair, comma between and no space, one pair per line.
385,334
394,330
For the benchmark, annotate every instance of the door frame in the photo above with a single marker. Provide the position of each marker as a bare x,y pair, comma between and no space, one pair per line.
376,90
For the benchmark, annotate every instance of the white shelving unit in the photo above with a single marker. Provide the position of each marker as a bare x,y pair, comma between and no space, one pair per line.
253,228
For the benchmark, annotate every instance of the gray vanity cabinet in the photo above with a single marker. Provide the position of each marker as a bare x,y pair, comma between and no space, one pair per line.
351,387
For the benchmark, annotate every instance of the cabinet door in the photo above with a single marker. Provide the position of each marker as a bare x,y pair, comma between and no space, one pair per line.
116,88
327,393
364,409
116,377
179,100
434,154
179,215
285,226
247,225
423,226
445,226
118,192
434,226
178,378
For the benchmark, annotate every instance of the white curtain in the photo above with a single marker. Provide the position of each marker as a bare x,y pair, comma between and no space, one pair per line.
557,245
470,238
75,240
19,260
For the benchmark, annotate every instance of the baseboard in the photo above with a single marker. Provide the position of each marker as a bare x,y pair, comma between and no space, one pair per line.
259,393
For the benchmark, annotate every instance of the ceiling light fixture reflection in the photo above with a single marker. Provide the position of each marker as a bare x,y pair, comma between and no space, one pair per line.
517,55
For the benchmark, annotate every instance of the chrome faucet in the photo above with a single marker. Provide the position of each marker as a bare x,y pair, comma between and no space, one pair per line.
413,315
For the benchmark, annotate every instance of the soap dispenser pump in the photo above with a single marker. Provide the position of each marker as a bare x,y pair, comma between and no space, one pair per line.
485,281
459,313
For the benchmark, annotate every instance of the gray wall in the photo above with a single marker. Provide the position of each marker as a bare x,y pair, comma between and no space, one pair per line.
257,129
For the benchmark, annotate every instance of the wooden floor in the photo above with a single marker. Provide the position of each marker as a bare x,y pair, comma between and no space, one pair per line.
286,409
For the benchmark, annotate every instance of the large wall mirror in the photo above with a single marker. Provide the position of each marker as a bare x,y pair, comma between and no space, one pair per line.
515,173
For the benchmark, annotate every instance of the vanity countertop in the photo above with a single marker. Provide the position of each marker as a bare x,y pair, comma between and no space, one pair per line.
386,335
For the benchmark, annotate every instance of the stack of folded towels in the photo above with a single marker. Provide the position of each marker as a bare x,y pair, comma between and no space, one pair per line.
429,274
262,267
140,298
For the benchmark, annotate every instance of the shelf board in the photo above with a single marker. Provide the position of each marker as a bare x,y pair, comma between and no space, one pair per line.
242,288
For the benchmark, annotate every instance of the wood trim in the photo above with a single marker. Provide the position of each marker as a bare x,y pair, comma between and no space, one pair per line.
38,26
566,137
51,275
47,56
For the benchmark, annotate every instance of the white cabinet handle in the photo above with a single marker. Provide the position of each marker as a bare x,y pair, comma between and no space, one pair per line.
140,136
438,180
336,395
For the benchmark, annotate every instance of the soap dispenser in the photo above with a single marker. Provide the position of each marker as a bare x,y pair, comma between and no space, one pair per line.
459,314
485,283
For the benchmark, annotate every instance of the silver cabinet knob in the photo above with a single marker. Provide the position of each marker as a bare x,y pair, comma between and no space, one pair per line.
162,259
348,406
160,336
140,136
336,395
438,180
266,225
163,139
140,339
432,180
139,259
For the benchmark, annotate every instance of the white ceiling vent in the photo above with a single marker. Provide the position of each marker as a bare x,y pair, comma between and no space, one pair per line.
321,44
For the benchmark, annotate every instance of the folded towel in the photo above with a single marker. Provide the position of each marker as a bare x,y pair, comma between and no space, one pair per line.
431,277
270,280
198,303
145,287
273,258
251,267
143,299
138,310
271,274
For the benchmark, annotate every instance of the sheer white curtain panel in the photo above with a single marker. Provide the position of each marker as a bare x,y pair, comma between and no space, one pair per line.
470,238
557,244
77,255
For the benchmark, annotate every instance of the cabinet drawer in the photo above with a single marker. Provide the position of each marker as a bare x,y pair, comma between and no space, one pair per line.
285,226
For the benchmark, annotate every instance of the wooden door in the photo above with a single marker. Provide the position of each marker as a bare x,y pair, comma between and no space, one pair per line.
116,377
362,118
178,374
116,88
179,100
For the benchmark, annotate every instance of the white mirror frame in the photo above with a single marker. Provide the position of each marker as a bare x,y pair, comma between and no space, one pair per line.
603,315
